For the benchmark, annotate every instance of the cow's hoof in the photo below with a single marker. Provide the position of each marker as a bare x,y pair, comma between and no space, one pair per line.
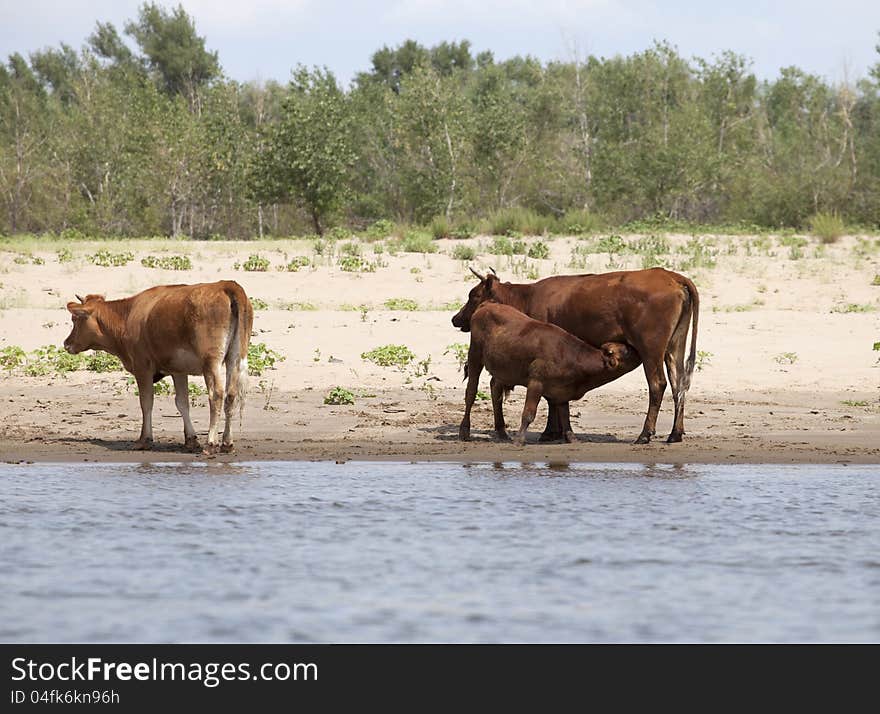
192,444
502,436
673,438
143,445
548,436
227,448
643,439
570,438
209,450
519,441
464,433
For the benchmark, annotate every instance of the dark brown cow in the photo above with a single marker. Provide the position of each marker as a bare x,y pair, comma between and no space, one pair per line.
177,330
650,310
545,359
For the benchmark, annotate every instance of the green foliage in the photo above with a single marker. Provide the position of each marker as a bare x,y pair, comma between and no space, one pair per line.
356,264
854,307
259,304
256,264
786,358
261,358
460,351
106,259
539,251
389,356
64,255
415,242
51,359
704,358
168,262
401,304
297,262
379,229
12,357
828,226
338,396
464,252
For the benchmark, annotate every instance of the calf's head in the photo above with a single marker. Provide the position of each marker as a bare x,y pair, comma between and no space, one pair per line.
481,293
613,353
86,333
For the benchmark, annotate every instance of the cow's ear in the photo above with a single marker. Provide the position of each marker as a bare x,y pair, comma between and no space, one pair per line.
78,309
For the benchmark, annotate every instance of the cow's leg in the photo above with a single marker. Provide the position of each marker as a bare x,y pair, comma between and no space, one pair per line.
233,395
145,394
554,430
215,400
675,355
498,410
533,396
656,387
564,412
675,369
181,399
475,367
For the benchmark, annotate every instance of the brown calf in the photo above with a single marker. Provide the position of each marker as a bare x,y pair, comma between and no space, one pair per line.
177,330
545,359
650,310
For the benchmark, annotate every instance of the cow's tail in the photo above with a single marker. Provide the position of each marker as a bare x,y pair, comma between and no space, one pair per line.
695,319
241,320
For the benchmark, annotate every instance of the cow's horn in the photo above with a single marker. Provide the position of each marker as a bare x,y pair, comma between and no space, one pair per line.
482,278
79,298
493,271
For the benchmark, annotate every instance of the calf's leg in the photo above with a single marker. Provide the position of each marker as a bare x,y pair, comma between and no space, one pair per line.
475,367
497,409
145,394
181,399
533,396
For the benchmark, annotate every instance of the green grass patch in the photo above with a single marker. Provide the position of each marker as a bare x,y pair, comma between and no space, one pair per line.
827,226
167,262
339,396
389,356
106,259
404,304
261,358
854,307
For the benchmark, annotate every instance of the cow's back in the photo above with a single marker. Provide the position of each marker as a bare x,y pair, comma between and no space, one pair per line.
607,307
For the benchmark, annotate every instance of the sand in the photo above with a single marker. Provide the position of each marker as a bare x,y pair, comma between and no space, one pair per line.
787,374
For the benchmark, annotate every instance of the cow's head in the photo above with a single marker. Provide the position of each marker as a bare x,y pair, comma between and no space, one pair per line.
86,333
613,353
481,293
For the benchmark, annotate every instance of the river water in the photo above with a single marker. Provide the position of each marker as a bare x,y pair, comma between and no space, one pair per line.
438,552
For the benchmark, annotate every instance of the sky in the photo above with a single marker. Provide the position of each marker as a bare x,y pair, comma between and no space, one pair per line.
264,39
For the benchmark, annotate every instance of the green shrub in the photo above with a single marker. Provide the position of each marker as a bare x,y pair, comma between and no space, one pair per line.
460,351
517,220
167,262
854,307
389,356
65,255
828,227
256,264
464,252
380,229
106,259
297,262
440,228
339,395
99,361
356,264
415,242
259,304
401,304
12,357
579,222
539,251
501,245
261,358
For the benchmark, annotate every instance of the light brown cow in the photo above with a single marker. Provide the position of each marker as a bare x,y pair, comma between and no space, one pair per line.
177,330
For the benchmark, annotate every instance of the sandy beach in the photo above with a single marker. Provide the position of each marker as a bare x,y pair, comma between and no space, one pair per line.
787,371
